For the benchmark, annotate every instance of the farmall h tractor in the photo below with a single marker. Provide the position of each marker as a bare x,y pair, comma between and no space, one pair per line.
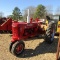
24,30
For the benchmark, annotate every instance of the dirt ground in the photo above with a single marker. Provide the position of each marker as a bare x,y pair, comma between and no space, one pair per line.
35,49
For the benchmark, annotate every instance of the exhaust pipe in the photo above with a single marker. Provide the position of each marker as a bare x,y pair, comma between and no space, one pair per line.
28,17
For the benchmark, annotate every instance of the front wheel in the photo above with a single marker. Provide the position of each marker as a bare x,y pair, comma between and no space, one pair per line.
18,48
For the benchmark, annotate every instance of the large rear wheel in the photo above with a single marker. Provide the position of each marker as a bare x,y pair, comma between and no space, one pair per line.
50,32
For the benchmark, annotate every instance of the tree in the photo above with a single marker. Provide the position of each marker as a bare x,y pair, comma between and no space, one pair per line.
32,10
40,11
10,16
57,11
49,11
1,14
16,14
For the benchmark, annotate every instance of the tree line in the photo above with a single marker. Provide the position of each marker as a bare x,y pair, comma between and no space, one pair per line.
35,12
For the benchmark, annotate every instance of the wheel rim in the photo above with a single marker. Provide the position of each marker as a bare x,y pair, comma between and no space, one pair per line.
19,48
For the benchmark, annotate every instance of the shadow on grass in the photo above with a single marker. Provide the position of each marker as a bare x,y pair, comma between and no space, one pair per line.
42,48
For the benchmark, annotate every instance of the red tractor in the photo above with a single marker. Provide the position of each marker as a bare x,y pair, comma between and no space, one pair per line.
24,30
